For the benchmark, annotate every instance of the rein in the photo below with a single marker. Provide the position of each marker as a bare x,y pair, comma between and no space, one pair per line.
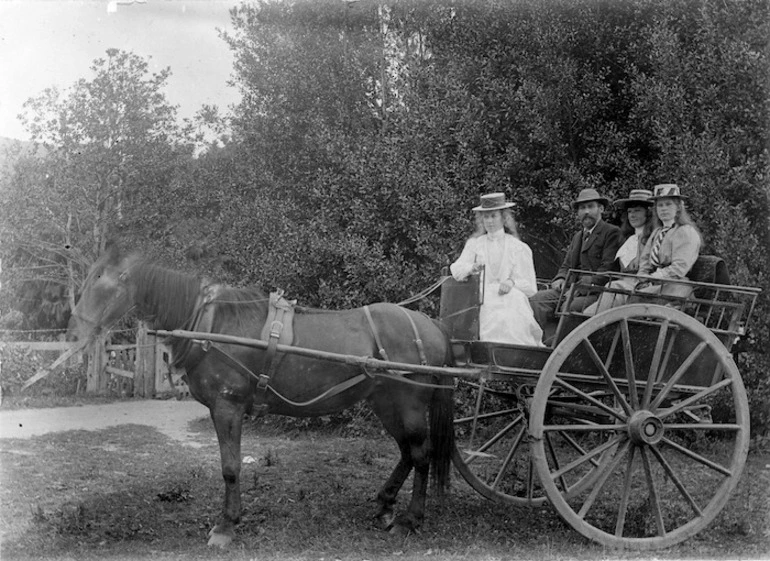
420,295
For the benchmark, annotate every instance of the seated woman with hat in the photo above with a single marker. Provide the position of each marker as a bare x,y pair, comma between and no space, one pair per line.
636,228
673,246
505,316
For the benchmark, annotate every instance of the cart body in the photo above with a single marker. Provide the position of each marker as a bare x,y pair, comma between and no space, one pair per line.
633,423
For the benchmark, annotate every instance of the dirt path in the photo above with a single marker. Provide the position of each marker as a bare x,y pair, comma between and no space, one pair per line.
170,417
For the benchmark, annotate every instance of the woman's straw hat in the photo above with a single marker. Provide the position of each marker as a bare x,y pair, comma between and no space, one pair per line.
493,201
667,190
637,197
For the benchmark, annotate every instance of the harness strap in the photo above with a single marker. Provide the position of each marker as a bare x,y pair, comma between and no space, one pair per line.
228,358
401,377
331,392
276,327
417,339
376,334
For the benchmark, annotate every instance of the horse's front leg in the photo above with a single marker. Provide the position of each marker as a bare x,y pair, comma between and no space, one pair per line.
228,422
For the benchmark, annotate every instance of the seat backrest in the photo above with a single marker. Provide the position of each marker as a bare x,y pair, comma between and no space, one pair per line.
711,269
459,308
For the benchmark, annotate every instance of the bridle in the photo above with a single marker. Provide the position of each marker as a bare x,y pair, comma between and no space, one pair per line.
96,324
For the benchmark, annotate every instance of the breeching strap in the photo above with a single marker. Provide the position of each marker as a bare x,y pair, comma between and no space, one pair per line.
417,339
380,348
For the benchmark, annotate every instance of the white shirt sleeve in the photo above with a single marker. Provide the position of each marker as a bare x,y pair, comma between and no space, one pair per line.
524,269
461,268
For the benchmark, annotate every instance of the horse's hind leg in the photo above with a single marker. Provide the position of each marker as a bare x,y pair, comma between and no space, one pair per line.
405,420
386,497
419,449
228,422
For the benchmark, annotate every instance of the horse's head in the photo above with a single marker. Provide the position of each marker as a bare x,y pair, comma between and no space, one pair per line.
105,297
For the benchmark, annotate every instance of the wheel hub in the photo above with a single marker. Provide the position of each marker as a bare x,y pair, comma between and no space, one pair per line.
645,428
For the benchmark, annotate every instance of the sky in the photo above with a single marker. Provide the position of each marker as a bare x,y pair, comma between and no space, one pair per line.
46,43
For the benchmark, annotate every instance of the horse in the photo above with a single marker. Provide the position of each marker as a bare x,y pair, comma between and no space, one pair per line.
235,381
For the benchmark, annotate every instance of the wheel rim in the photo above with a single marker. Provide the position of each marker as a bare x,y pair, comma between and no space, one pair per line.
673,451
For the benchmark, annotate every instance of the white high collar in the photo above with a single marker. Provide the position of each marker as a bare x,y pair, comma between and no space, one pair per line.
497,235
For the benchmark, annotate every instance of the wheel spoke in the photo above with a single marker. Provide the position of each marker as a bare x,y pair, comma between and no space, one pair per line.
654,502
697,457
584,428
555,459
472,455
606,375
679,485
652,375
694,399
703,426
606,471
677,375
613,348
599,404
628,354
574,443
586,457
509,457
623,509
487,416
476,411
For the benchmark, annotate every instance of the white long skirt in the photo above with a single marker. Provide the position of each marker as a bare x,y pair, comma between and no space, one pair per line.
508,318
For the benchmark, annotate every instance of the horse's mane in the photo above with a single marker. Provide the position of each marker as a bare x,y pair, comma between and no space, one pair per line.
171,295
243,304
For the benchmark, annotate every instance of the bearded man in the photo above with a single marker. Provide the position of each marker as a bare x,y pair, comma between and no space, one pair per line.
593,249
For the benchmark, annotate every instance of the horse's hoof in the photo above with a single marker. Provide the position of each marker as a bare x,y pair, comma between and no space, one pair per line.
400,531
218,538
386,520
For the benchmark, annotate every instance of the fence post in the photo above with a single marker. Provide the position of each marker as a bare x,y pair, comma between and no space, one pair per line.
96,379
139,368
144,380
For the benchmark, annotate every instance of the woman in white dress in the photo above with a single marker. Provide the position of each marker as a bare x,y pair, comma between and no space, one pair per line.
505,316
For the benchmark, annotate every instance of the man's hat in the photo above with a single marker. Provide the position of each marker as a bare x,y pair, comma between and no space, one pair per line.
667,190
493,201
637,197
588,195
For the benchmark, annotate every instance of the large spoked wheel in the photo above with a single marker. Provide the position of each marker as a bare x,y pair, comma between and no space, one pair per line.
492,445
658,397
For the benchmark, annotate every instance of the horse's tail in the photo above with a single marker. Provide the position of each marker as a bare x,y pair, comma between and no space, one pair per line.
442,433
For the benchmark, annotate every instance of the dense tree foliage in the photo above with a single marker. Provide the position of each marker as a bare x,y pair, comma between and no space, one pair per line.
367,131
108,148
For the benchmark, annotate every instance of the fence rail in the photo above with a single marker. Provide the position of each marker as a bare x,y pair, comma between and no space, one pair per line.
141,369
39,345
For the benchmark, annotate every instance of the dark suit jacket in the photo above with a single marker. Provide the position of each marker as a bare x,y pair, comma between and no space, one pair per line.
597,254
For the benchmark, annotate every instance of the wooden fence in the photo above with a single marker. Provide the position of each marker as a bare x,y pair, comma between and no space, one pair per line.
142,369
